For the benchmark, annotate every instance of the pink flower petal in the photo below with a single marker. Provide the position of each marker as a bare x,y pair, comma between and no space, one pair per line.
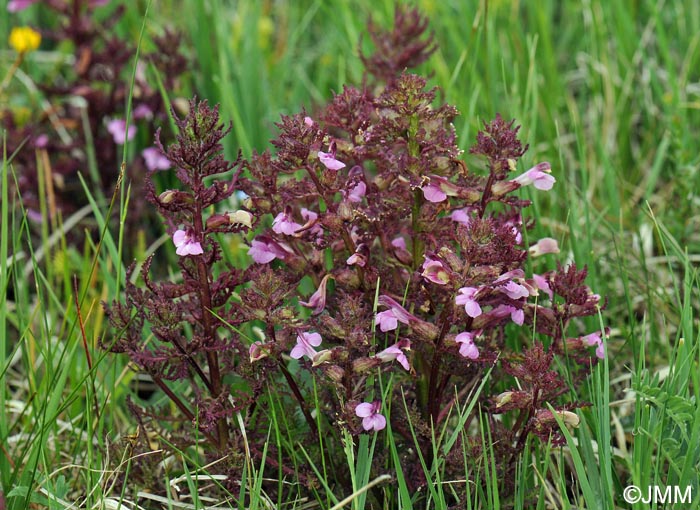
433,193
329,161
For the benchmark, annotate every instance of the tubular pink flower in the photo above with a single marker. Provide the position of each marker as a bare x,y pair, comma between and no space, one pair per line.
360,257
516,314
515,273
257,351
544,246
143,111
466,298
186,244
284,223
595,339
357,192
542,284
434,271
154,159
311,224
329,161
399,243
433,193
386,320
117,128
515,290
305,345
264,249
399,311
538,176
467,348
317,301
438,189
515,225
371,418
461,216
395,352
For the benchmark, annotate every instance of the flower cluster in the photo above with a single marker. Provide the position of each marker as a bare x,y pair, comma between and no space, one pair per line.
373,250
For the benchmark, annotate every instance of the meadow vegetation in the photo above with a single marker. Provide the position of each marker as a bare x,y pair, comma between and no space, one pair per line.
336,256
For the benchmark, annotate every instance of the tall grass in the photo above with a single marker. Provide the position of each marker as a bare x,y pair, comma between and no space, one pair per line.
606,91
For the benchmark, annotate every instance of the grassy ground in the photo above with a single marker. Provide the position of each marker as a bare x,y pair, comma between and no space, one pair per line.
608,92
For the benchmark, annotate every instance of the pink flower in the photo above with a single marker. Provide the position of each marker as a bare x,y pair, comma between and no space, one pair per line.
515,273
516,314
438,189
154,159
317,301
386,320
541,283
399,243
596,339
515,225
264,249
284,223
467,347
538,176
329,161
98,3
515,290
19,5
117,128
186,244
466,298
360,256
395,352
143,111
544,246
357,192
433,193
308,121
305,345
434,271
461,216
257,351
399,311
371,418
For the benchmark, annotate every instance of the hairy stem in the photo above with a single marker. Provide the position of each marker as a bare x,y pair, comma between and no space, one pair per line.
209,328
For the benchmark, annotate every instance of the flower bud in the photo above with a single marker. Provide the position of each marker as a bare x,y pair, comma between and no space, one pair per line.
382,182
257,351
500,188
333,326
332,222
503,399
171,196
240,217
345,211
335,373
347,278
216,221
425,330
452,260
322,357
363,365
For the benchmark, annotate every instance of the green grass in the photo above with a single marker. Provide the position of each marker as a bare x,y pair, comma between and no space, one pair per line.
605,91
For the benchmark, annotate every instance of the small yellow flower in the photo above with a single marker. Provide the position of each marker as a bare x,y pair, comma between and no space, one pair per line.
24,39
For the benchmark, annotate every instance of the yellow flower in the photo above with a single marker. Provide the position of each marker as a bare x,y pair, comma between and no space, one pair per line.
24,39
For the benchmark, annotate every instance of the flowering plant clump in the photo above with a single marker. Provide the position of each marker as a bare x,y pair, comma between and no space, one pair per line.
374,254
